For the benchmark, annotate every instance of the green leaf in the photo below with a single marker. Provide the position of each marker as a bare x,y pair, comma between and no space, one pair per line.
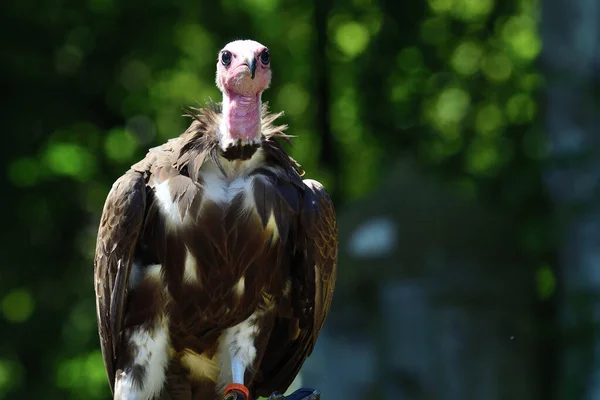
18,305
120,145
352,38
70,159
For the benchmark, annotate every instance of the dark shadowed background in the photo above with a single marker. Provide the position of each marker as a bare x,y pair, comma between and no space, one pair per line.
460,140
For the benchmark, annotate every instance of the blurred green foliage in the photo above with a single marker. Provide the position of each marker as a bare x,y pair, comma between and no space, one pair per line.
89,86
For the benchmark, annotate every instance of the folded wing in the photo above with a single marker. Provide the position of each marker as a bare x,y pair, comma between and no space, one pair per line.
119,229
314,269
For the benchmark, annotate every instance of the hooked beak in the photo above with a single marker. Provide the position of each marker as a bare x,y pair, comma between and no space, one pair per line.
252,66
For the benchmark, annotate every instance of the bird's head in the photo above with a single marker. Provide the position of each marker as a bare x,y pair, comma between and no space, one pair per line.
243,68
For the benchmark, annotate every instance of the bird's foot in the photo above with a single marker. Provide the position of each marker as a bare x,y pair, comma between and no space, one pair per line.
300,394
236,391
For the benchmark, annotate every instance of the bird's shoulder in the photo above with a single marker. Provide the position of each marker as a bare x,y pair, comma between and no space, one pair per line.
156,157
171,159
185,154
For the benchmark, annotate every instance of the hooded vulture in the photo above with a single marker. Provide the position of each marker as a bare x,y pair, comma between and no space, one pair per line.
215,261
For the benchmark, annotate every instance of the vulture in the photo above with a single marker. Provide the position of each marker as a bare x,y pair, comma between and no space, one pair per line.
215,261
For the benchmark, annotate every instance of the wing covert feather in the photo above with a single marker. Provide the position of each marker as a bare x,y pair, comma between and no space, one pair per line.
118,232
314,271
320,222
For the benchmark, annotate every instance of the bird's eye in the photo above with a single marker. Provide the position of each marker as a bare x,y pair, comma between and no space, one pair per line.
225,58
265,57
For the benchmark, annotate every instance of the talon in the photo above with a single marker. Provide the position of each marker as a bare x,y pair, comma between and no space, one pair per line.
235,391
234,395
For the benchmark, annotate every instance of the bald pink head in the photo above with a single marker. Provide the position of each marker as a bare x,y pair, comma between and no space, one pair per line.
243,73
243,68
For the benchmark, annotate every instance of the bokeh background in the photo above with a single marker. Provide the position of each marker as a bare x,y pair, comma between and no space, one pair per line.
459,139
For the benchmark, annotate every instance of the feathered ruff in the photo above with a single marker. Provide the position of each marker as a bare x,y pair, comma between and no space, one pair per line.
202,137
200,142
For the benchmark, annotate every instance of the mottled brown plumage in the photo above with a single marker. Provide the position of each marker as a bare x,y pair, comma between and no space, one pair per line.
199,242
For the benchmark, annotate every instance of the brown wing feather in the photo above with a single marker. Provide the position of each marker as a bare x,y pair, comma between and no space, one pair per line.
117,235
321,225
314,270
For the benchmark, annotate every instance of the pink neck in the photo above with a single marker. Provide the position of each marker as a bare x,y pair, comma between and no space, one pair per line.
241,117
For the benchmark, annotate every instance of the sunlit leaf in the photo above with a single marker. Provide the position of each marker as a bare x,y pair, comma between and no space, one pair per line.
11,375
81,133
489,119
344,118
18,305
81,324
546,282
497,67
306,149
520,32
169,123
439,150
401,91
70,159
520,108
94,371
180,86
451,106
95,195
5,381
361,180
263,6
293,98
297,35
84,373
197,43
120,144
466,58
482,157
441,6
373,21
470,10
352,38
531,81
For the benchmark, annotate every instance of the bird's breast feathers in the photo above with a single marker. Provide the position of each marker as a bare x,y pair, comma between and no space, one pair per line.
183,202
220,241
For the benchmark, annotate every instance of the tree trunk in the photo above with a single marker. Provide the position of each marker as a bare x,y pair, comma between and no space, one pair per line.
571,62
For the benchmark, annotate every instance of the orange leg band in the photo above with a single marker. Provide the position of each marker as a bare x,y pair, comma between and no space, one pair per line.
240,388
